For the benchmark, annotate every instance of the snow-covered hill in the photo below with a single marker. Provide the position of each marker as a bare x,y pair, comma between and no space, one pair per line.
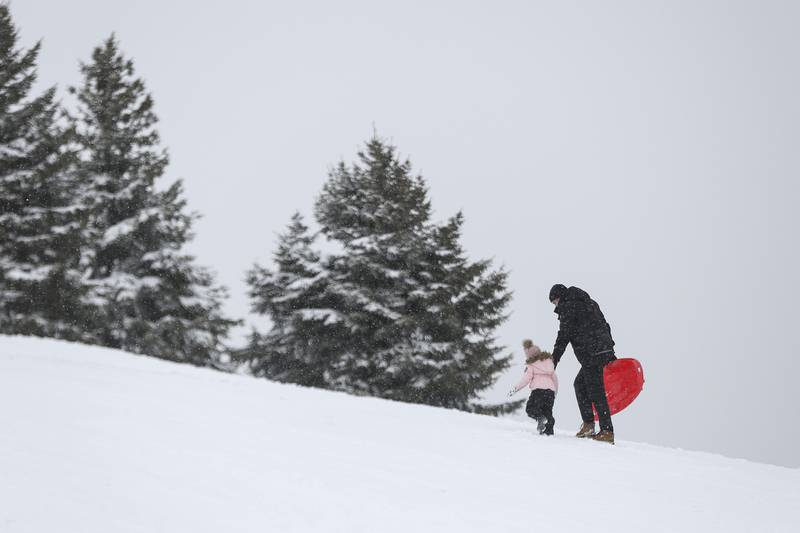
96,440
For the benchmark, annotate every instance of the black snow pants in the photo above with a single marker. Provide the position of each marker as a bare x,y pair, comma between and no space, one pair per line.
540,408
590,389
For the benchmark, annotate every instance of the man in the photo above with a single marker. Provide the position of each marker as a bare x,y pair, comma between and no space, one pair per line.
582,324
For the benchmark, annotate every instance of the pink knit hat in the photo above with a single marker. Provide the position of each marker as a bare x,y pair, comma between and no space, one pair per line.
531,350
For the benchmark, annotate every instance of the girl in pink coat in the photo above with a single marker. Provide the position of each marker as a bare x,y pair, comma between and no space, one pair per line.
540,376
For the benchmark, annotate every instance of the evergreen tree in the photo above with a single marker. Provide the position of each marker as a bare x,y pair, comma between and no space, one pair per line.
376,211
418,316
41,214
154,299
304,326
460,308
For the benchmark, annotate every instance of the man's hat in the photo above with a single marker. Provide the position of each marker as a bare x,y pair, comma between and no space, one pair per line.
557,291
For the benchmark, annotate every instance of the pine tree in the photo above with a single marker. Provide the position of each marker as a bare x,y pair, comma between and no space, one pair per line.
461,307
42,219
418,316
294,297
375,210
154,299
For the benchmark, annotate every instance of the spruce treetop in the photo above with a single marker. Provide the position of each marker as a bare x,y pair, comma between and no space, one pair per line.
17,67
295,253
378,195
116,119
26,124
274,291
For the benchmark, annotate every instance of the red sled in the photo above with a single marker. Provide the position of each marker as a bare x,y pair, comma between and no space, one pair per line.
624,380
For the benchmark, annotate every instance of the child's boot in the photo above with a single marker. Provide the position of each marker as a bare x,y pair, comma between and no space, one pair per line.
587,430
541,422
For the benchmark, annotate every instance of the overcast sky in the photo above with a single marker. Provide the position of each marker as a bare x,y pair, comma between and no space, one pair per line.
648,152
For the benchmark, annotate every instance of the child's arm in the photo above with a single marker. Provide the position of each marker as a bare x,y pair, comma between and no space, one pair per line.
526,378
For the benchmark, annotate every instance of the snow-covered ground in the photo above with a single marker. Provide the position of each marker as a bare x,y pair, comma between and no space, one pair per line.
96,440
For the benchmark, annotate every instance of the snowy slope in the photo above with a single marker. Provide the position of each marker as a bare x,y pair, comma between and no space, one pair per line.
95,440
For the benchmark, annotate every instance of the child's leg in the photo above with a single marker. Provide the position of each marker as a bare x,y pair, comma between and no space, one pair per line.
547,410
536,411
532,407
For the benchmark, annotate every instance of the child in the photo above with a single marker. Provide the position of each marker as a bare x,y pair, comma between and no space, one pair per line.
540,374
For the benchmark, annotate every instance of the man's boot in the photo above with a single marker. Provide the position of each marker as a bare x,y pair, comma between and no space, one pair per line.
587,430
605,436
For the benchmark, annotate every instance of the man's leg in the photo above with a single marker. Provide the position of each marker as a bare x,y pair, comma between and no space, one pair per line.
597,392
583,397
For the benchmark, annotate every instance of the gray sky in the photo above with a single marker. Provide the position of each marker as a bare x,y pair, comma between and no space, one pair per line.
648,152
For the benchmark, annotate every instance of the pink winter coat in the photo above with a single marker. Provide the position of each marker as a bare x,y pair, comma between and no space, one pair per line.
539,375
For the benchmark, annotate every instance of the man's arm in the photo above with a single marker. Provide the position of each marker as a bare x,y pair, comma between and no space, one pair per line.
566,318
561,344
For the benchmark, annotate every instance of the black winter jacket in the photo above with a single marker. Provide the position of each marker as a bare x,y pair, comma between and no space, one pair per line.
582,324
